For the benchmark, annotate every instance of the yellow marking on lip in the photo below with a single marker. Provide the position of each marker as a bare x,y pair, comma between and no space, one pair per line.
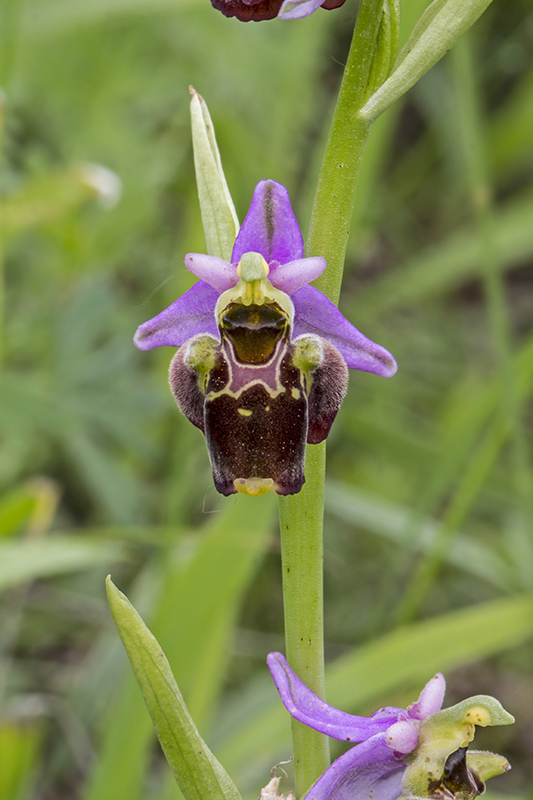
245,412
254,487
478,715
295,393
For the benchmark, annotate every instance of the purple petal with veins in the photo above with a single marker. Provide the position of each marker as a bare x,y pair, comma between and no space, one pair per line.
214,271
297,9
306,707
369,771
189,315
314,313
430,699
292,276
270,227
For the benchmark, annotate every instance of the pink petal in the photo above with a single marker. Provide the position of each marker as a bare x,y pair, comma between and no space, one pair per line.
430,699
292,276
296,9
214,271
402,737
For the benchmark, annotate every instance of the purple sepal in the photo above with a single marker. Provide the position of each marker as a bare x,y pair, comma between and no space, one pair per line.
369,771
212,270
189,315
270,227
314,313
304,8
306,707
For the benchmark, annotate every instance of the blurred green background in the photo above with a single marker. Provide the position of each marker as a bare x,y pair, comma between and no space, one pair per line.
429,518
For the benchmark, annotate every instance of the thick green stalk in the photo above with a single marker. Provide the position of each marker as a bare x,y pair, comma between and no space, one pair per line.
301,516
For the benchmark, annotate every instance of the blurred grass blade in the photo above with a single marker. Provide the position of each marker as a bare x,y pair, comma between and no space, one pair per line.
395,523
19,756
368,676
219,217
51,196
452,262
195,768
25,561
438,29
205,578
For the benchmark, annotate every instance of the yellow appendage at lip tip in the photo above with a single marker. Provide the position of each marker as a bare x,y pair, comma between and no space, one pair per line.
254,487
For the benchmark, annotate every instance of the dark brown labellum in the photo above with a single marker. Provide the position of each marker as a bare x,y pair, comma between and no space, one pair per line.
257,10
255,404
264,9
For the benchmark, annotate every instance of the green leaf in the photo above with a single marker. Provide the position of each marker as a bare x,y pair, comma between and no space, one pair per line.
197,771
205,576
438,29
219,217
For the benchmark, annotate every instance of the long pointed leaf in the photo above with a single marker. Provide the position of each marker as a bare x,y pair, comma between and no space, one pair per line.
197,771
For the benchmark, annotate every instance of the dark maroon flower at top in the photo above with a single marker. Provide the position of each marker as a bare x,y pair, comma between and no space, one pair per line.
247,10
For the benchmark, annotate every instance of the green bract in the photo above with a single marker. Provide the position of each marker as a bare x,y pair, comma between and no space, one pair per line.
219,217
197,771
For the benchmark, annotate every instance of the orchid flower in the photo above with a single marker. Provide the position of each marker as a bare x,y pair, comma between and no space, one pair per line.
247,10
262,364
420,751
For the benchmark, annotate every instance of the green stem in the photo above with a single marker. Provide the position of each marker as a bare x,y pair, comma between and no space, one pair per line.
301,516
301,521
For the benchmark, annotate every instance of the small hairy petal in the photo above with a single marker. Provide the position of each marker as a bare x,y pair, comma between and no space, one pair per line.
270,227
430,699
189,315
329,382
292,276
246,12
369,771
314,313
297,9
212,270
184,385
306,707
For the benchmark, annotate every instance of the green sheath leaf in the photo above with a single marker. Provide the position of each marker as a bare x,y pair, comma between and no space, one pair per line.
219,217
198,773
436,32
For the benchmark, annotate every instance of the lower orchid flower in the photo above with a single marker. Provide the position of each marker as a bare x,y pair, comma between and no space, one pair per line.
262,364
417,752
247,10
